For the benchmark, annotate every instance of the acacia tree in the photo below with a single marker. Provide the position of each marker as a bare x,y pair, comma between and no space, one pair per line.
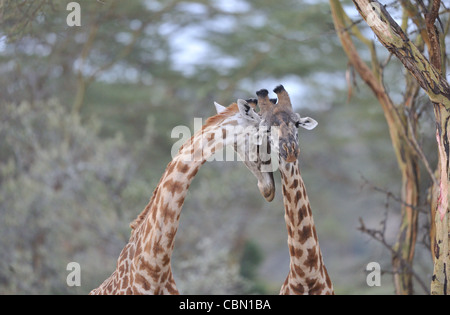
402,128
429,74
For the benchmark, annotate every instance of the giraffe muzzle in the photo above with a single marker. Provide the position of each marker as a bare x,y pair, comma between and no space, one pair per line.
269,194
267,187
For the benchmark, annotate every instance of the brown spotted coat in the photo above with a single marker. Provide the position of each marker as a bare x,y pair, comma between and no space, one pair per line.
307,272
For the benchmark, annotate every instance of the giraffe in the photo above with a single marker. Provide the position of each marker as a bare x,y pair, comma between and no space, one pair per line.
307,272
143,266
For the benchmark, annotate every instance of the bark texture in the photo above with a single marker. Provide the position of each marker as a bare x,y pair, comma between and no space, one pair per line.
429,75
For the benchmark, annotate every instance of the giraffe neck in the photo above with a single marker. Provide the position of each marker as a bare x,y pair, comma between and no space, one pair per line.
144,265
307,272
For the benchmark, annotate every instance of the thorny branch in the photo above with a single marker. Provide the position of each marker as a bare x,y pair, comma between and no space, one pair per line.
379,235
390,195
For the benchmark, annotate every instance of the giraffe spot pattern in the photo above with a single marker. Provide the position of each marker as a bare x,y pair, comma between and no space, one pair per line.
307,274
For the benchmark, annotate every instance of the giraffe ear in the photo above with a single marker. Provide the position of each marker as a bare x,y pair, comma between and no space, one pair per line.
247,112
306,122
219,108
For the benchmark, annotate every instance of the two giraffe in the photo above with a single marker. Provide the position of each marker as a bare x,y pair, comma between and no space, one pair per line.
144,267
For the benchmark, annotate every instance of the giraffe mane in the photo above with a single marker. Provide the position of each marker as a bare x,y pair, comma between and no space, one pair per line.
214,121
141,217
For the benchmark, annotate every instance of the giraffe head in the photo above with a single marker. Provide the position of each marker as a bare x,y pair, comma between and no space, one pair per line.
241,123
283,123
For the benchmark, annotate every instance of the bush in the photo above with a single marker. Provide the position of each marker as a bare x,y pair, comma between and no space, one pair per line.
60,195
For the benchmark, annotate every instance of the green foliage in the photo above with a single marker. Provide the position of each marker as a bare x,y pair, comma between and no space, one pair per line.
55,179
19,17
251,258
250,261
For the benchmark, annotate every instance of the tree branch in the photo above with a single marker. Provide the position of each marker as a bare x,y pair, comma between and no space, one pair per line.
380,237
396,41
391,195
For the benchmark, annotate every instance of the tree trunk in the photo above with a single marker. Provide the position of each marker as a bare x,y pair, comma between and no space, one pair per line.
440,251
437,88
407,160
403,249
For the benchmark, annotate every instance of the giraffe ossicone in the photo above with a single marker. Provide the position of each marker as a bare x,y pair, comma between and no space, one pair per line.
281,117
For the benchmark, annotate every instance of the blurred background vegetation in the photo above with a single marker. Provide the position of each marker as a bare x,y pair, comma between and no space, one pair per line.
86,115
